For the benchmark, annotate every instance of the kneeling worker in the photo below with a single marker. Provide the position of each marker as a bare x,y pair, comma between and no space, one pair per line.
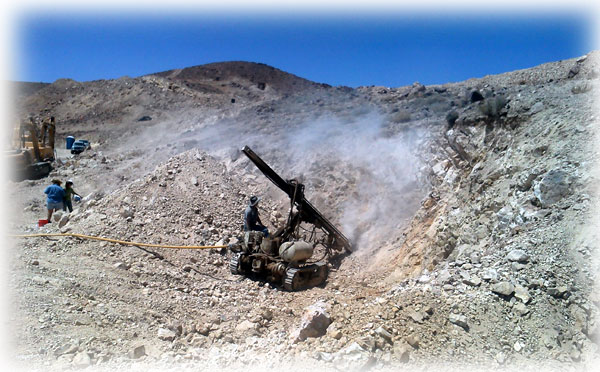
251,219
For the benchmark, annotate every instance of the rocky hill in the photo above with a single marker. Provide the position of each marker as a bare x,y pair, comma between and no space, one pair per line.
471,206
221,78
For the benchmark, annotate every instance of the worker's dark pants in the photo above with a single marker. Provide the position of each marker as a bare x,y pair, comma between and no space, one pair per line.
263,229
67,204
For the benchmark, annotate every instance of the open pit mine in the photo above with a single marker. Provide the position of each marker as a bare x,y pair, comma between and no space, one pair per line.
401,228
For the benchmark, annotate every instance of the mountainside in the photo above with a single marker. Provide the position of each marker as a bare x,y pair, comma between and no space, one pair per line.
221,77
472,208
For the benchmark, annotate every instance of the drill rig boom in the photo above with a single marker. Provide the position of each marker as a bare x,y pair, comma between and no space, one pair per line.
307,212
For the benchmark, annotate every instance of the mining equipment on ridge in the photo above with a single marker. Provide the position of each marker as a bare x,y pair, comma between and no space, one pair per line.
283,258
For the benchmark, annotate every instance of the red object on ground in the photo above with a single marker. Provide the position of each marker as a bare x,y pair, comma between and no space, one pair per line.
42,223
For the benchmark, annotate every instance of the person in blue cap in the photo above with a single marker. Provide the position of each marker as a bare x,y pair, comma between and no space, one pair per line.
252,220
54,200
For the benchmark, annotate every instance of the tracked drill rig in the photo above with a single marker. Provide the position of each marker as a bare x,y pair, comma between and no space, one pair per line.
283,258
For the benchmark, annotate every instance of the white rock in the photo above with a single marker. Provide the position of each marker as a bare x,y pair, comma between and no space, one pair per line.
489,275
459,319
520,308
553,187
503,288
82,360
451,176
244,326
424,278
166,334
439,169
537,107
522,294
314,322
505,216
63,221
517,346
385,334
472,281
138,351
518,255
500,358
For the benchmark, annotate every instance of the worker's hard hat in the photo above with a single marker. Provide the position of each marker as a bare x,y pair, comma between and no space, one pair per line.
254,200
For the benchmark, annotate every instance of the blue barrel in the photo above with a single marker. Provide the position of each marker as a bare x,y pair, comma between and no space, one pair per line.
70,141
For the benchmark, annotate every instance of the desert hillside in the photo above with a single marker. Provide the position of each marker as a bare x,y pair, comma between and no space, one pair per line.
471,206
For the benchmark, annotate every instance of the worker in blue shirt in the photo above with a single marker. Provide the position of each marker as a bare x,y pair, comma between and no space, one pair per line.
252,220
55,196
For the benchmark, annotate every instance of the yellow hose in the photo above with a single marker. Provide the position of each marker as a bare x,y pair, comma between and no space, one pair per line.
120,241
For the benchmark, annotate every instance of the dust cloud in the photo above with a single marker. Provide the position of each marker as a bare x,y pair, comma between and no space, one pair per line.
355,173
381,171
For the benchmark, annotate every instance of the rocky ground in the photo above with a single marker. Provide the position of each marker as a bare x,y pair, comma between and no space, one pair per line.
472,207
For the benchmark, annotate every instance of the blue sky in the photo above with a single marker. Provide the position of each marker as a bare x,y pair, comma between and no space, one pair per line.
392,49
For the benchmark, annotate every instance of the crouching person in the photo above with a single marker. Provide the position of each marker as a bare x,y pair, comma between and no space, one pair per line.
251,218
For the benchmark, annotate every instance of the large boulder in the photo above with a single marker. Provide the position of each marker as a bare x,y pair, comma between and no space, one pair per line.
314,322
552,188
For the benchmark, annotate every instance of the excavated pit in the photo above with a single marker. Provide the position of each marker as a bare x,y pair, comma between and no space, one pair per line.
467,219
